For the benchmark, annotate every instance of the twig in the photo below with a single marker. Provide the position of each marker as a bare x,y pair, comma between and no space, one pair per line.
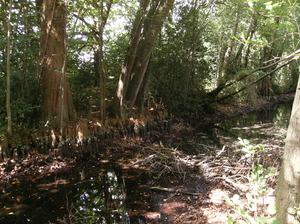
172,190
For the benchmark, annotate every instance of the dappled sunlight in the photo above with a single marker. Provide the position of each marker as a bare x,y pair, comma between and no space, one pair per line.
179,176
172,208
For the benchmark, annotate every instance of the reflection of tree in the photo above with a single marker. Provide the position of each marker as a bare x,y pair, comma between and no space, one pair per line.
100,201
282,115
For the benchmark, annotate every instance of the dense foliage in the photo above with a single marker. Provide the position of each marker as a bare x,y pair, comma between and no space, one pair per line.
206,50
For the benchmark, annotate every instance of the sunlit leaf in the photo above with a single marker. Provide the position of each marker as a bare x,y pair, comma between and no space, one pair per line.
272,209
228,201
261,219
296,56
274,222
242,212
230,220
246,141
260,146
234,37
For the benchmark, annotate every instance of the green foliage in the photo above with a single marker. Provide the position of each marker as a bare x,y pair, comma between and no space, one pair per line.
24,66
258,187
184,66
178,70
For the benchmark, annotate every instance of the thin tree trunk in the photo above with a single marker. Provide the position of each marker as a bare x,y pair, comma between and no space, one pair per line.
102,20
7,28
250,33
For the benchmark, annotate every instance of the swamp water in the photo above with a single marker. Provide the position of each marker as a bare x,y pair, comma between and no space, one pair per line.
100,193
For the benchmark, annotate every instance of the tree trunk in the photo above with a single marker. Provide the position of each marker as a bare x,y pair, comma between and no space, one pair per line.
57,104
7,27
103,13
288,190
101,73
228,54
147,25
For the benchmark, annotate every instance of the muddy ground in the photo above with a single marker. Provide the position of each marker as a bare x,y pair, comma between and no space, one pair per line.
188,189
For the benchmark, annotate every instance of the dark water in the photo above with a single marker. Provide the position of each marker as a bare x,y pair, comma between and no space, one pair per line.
256,126
92,194
100,193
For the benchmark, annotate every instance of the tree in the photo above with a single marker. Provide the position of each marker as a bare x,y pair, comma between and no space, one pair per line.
99,14
288,190
178,67
57,105
7,26
146,27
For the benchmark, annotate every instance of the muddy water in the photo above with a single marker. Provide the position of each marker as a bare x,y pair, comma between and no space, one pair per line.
100,193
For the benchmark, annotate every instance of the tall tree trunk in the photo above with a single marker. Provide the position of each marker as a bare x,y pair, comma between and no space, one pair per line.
288,190
147,25
7,27
57,105
101,73
103,13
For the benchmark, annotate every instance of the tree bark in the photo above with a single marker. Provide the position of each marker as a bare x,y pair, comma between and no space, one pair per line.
288,190
7,27
98,51
147,25
57,104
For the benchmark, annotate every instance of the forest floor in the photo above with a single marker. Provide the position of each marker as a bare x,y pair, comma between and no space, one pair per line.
193,189
188,188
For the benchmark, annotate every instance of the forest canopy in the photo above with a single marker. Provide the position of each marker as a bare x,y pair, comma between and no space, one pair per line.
63,59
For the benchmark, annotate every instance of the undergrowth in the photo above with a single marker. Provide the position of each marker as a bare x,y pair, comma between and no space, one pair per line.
255,210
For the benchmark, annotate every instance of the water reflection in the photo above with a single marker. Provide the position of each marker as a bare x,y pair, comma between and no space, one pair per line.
100,200
92,195
256,126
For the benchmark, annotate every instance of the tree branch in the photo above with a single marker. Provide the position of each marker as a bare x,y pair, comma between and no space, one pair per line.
264,68
256,81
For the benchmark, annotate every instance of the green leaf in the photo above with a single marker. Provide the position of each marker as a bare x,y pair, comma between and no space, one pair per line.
228,201
272,209
242,212
261,219
230,220
246,141
274,222
234,37
260,146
